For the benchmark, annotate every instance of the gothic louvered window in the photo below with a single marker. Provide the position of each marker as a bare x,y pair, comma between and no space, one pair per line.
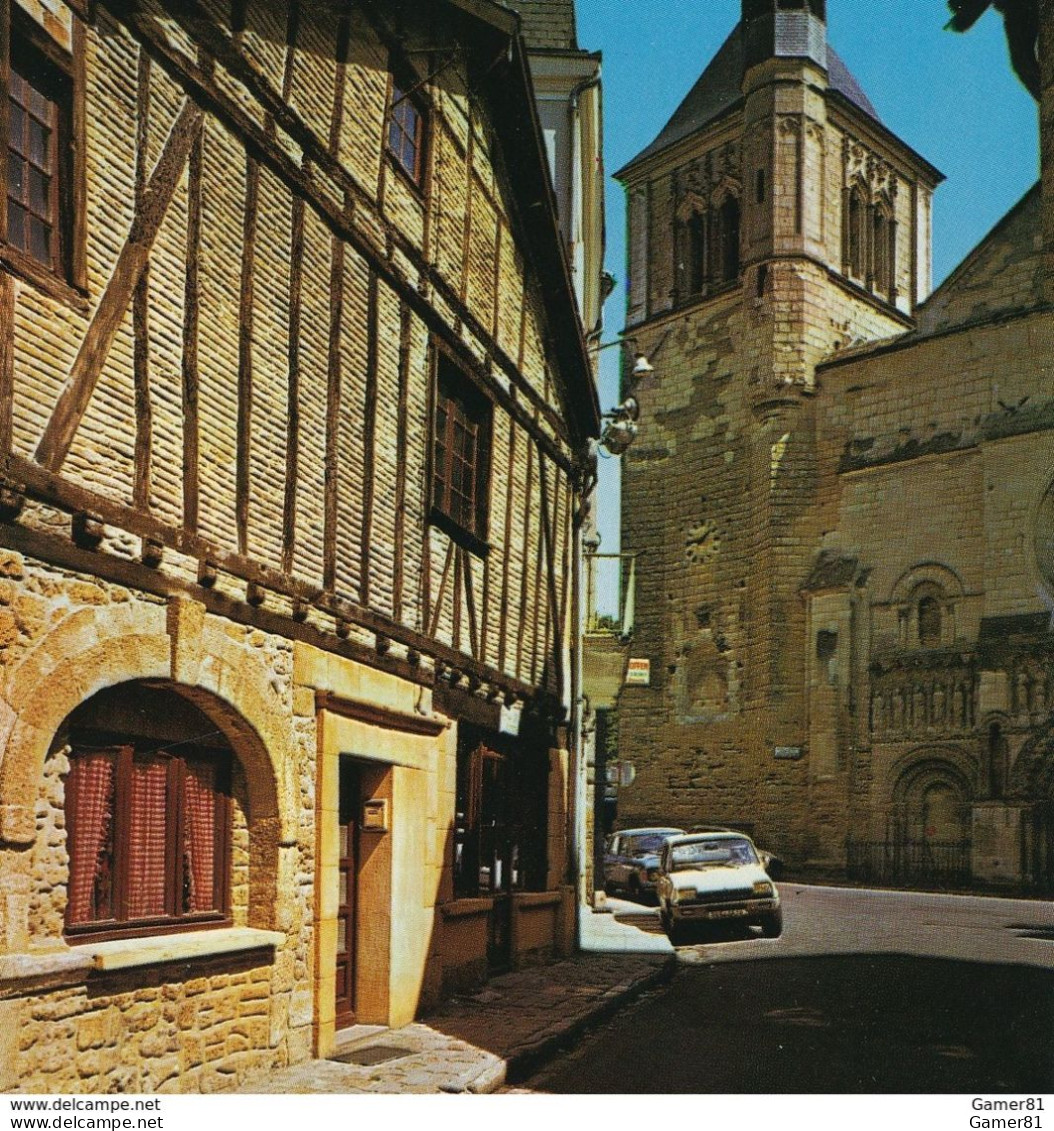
695,237
726,241
883,244
461,455
856,234
39,171
148,835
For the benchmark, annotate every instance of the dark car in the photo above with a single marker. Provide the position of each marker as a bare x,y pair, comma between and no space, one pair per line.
631,860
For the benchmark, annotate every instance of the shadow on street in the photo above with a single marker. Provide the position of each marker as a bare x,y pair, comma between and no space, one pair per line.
841,1024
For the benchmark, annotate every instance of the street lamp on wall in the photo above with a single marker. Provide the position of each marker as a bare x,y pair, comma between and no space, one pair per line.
620,429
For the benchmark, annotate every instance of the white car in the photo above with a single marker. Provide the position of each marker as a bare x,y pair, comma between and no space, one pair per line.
715,877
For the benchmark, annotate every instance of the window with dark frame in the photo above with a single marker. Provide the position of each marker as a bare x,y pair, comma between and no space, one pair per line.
39,147
406,132
461,452
148,839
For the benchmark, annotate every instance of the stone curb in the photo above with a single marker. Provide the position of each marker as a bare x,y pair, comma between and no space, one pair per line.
526,1060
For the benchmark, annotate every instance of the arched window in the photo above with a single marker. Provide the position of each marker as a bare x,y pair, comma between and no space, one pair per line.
929,612
726,241
148,815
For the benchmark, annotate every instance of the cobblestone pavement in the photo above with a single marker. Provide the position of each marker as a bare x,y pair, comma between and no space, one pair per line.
478,1042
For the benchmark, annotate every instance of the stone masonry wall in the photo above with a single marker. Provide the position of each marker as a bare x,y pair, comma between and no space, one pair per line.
197,1024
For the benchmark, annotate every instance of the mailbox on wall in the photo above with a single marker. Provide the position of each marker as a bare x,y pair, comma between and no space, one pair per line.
375,816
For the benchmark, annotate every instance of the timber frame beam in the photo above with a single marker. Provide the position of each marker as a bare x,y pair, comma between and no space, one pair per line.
375,238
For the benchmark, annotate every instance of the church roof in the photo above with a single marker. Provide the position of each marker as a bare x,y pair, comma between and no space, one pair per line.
1003,274
720,88
547,25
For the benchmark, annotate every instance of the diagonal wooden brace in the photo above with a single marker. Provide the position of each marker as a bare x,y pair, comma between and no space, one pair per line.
84,376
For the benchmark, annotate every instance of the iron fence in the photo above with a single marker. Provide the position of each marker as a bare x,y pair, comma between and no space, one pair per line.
908,862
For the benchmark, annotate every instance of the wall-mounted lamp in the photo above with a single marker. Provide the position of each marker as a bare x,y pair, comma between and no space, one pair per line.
642,367
621,428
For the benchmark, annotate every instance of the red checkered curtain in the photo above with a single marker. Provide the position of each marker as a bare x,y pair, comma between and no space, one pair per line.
89,808
199,837
147,838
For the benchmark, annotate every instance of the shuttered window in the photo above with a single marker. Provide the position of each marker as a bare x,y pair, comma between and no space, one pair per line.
148,837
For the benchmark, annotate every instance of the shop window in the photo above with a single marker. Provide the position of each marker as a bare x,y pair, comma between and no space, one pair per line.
39,175
501,831
148,838
461,456
407,130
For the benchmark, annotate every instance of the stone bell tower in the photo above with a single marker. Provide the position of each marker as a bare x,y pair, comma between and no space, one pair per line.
773,220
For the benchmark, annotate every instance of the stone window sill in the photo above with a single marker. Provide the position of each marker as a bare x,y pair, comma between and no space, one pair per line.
120,954
74,964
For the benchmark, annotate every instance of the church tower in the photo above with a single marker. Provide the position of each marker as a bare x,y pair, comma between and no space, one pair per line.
773,221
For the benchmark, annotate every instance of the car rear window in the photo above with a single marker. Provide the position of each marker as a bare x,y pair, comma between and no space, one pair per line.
706,853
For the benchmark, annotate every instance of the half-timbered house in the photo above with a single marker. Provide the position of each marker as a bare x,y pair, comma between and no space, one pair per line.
293,405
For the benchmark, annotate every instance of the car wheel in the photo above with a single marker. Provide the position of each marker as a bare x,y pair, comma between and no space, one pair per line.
772,925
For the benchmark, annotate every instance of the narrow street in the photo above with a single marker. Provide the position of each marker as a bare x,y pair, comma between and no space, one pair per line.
866,992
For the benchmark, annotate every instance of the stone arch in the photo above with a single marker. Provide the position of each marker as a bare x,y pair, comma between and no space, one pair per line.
926,599
1032,774
935,573
930,796
96,648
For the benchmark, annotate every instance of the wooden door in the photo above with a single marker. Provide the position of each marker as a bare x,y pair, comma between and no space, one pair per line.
348,819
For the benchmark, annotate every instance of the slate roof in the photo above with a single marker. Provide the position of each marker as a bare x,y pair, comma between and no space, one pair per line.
548,25
720,88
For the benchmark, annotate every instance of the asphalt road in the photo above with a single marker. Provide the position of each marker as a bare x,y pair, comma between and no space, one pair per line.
867,992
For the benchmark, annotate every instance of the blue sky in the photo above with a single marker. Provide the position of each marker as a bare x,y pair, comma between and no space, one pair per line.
951,97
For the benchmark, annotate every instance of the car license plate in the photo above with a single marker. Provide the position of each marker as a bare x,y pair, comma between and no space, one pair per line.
728,913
